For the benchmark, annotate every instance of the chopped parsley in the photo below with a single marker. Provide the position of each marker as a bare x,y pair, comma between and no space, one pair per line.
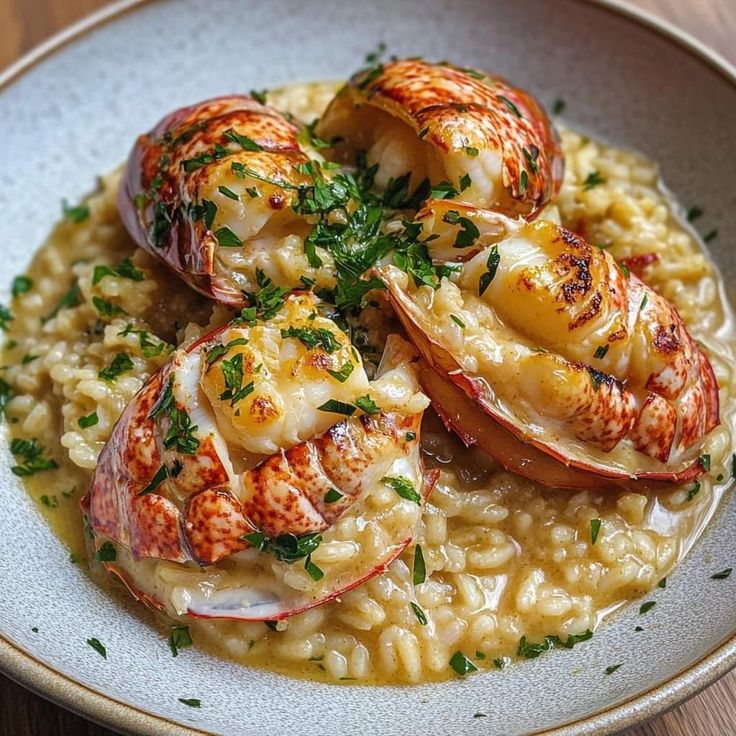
468,230
307,137
227,238
120,364
259,95
419,574
88,421
471,151
32,458
610,670
179,638
662,583
443,190
76,213
158,478
313,337
289,548
181,432
51,502
105,308
98,646
219,350
28,358
205,212
5,394
712,235
191,702
492,262
403,487
21,285
333,496
149,347
595,528
266,303
232,373
192,164
531,158
501,663
457,321
593,179
705,462
229,193
694,490
558,106
461,664
313,571
693,213
343,373
338,407
646,607
532,650
523,181
246,143
106,553
600,352
723,574
70,299
419,613
125,270
5,316
511,106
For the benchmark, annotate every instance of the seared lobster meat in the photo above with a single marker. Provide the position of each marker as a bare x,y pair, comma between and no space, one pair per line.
565,351
188,475
490,141
209,191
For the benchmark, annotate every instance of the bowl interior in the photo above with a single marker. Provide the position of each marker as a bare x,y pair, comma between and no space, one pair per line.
76,114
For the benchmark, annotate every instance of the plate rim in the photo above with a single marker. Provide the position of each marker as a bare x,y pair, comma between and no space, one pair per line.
44,680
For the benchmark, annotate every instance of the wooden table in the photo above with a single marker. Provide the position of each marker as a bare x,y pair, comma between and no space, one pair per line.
23,24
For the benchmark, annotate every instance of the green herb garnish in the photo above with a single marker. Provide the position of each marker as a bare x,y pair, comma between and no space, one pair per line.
98,646
595,528
404,487
106,553
77,213
179,638
338,407
593,179
494,258
32,459
120,364
419,613
88,421
21,285
461,664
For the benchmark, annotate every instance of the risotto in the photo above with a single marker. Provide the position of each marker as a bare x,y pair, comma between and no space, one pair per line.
499,566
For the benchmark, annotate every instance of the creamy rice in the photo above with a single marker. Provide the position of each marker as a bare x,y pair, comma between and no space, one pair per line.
505,558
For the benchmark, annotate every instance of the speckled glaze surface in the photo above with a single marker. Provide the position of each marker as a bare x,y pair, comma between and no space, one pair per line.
75,114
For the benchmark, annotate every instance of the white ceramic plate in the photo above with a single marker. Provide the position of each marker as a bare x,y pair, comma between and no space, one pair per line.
72,109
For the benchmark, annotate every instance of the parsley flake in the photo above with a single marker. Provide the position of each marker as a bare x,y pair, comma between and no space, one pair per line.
593,179
98,646
419,574
120,364
179,638
461,664
403,487
88,421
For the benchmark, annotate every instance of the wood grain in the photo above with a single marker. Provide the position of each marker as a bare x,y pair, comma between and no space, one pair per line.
25,23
